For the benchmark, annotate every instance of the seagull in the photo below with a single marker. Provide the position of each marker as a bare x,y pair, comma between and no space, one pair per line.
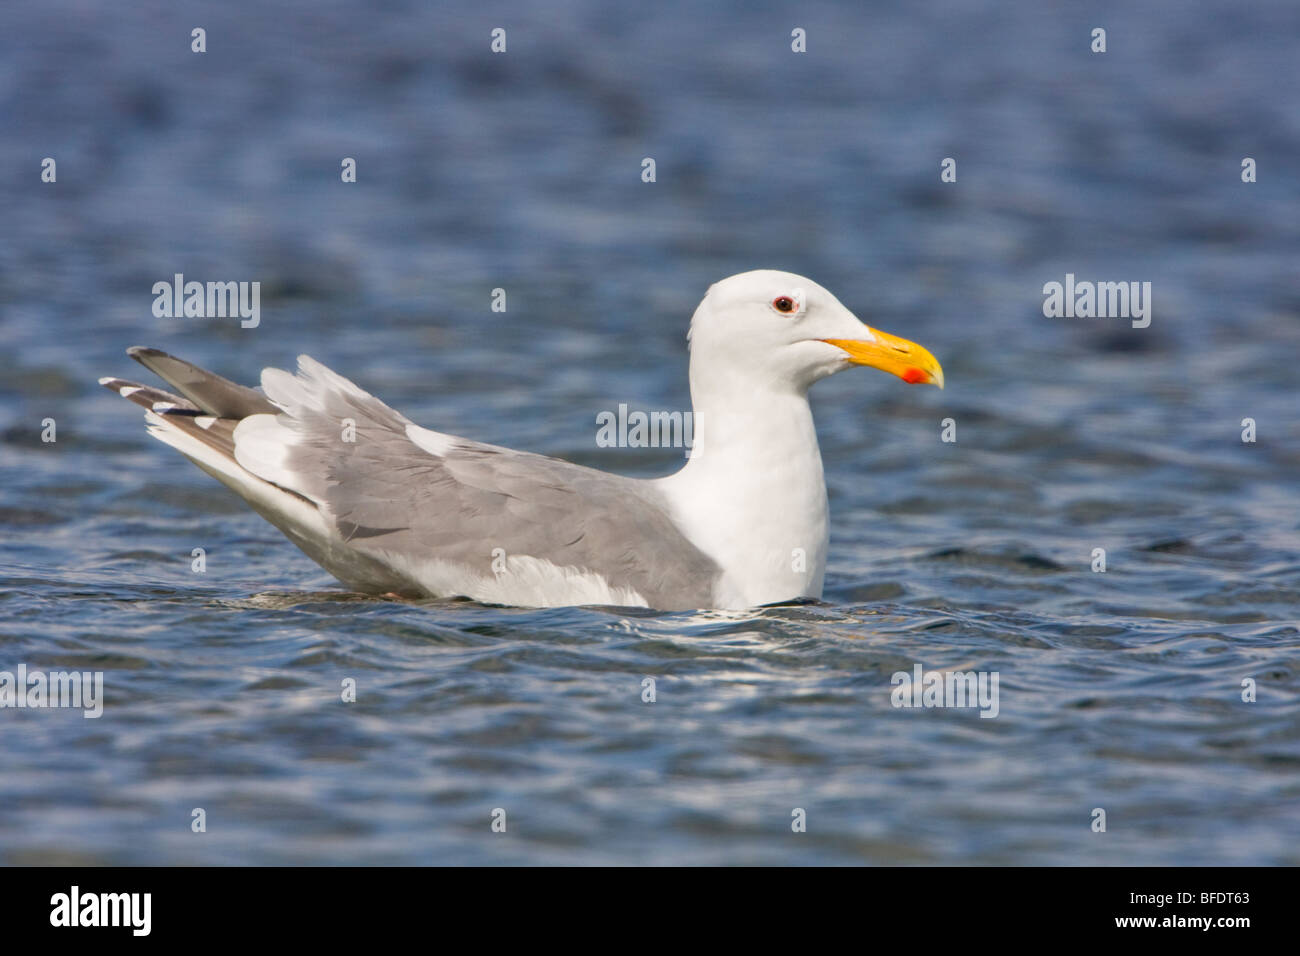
389,507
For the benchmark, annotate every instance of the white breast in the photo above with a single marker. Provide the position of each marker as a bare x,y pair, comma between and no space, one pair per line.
753,497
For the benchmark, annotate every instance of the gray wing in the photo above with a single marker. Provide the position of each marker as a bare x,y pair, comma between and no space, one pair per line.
391,487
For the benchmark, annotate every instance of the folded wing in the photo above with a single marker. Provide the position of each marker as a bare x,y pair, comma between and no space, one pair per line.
386,505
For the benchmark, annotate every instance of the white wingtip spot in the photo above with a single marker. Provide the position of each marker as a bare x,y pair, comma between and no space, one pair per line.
127,391
106,379
162,406
435,443
204,421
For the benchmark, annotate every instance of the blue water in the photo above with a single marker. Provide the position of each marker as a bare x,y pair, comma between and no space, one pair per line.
1119,690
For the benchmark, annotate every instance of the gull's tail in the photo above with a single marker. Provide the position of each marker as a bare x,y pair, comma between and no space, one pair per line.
201,424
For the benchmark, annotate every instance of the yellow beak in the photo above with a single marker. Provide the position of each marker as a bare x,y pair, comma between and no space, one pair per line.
909,361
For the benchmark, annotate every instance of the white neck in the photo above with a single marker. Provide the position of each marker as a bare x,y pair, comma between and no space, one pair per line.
753,496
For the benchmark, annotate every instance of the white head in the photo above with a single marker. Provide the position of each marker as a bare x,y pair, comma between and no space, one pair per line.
783,330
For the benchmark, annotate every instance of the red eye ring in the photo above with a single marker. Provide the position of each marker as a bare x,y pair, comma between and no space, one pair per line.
785,303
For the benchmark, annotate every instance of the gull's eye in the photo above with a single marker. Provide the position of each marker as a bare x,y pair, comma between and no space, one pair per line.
784,303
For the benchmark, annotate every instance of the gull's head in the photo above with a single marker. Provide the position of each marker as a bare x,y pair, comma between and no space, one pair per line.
785,330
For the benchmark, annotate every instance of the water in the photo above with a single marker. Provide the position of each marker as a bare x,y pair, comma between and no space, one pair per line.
1119,690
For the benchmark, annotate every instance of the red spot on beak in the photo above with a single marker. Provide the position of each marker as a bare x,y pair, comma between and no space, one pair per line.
914,376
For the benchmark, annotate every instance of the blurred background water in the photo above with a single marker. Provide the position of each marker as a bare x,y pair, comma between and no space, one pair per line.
522,171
